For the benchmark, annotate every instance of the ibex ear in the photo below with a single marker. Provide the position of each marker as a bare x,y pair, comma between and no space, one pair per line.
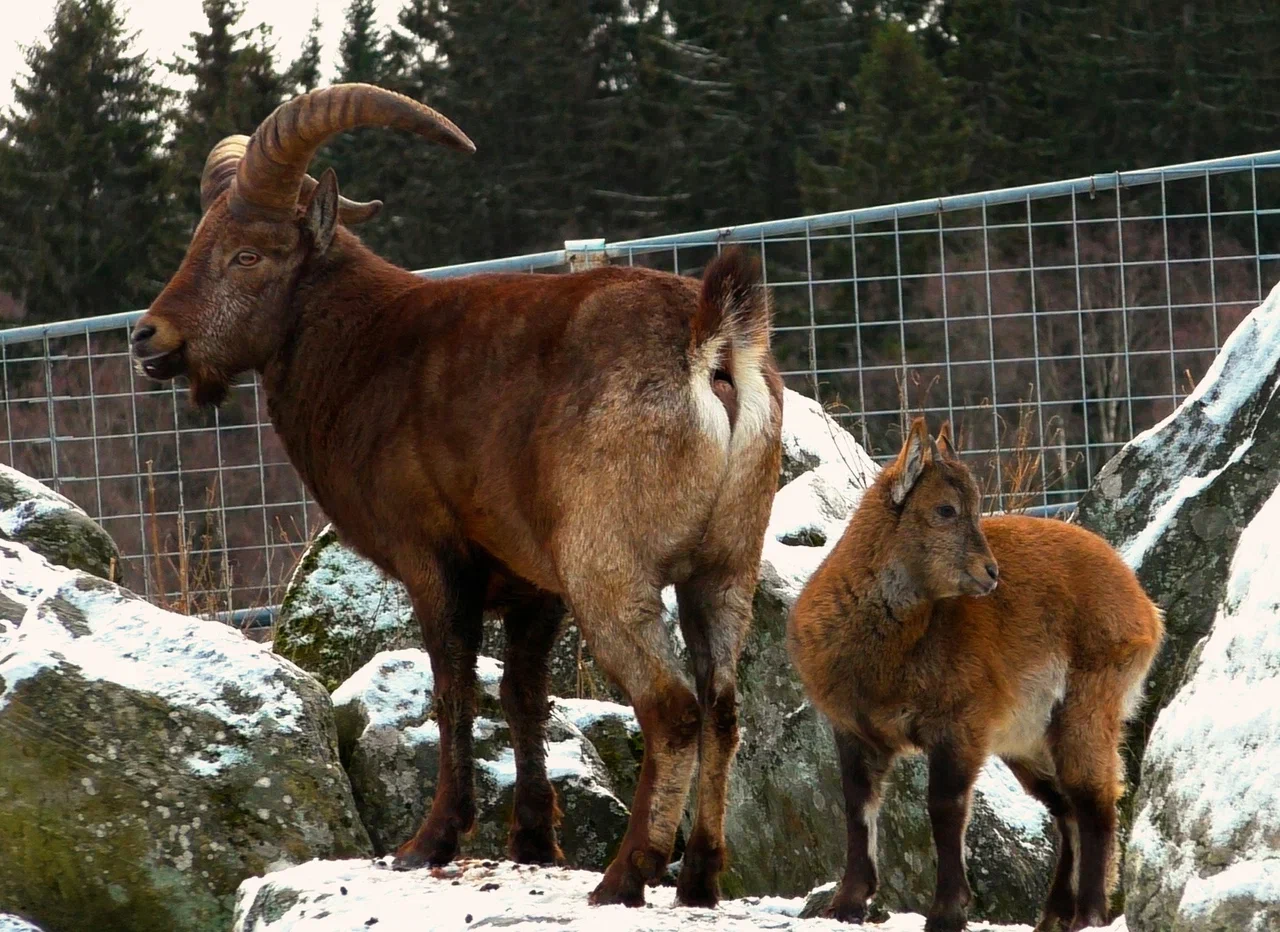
322,211
945,443
911,461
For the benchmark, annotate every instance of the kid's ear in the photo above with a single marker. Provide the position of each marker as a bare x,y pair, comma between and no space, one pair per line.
911,461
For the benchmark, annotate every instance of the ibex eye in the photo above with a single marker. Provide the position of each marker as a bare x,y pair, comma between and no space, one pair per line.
946,511
246,258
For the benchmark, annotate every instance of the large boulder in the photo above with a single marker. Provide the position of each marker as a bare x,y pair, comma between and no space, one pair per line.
390,744
354,896
1204,852
151,761
54,526
1175,499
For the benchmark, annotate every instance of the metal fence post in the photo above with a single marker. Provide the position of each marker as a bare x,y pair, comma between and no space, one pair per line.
583,254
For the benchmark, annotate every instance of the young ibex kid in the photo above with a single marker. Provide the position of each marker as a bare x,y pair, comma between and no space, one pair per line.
929,628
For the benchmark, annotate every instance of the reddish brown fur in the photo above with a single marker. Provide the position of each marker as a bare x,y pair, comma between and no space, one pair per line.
525,442
902,653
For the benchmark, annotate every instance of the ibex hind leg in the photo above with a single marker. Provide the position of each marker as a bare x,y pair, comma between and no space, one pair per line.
715,616
620,613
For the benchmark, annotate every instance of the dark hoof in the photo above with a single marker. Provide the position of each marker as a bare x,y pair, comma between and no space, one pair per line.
847,911
423,851
947,922
1052,923
699,880
1088,921
625,878
535,846
613,893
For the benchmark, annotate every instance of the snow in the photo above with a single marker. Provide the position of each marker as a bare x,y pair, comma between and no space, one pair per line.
811,436
394,688
73,620
11,923
1165,509
1216,747
1255,880
565,760
1010,802
344,896
584,713
372,601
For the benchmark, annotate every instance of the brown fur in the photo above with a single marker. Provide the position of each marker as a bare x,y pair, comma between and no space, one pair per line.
529,442
901,650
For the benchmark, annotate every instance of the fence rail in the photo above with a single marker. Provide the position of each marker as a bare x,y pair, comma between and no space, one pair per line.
1049,322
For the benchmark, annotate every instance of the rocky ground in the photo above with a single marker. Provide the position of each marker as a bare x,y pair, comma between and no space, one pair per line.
160,772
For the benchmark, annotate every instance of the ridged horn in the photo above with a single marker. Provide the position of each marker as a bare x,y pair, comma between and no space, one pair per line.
269,176
220,169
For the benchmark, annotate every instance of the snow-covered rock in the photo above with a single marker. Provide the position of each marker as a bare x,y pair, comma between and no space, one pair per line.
1204,852
11,923
812,438
1175,499
339,610
54,526
151,761
354,896
390,745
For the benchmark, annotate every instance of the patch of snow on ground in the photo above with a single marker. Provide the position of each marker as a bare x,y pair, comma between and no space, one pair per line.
107,634
353,896
1218,741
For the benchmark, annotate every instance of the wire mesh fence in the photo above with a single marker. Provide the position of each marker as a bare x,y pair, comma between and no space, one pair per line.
1049,323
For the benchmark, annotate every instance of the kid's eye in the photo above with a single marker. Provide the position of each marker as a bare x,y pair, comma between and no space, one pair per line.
946,511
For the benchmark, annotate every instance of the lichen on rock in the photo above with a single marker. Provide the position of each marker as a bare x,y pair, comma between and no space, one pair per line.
152,761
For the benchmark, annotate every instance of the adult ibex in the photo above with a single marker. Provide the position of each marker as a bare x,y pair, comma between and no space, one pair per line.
520,441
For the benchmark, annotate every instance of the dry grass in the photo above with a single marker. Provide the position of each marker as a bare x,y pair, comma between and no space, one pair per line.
189,572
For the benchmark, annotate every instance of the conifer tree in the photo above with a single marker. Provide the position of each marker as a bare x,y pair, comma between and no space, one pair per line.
88,228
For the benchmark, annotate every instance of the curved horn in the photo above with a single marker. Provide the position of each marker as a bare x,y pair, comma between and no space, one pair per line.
220,169
269,177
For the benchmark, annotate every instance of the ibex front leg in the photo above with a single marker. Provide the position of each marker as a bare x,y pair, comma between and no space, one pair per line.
448,600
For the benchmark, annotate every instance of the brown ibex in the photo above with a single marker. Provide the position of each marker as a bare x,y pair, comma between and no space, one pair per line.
526,442
906,642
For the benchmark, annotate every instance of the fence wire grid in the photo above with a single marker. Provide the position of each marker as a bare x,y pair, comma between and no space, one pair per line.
1049,323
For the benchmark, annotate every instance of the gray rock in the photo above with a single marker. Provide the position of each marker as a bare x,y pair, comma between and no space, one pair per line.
339,610
151,761
1175,499
55,527
1204,851
390,745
